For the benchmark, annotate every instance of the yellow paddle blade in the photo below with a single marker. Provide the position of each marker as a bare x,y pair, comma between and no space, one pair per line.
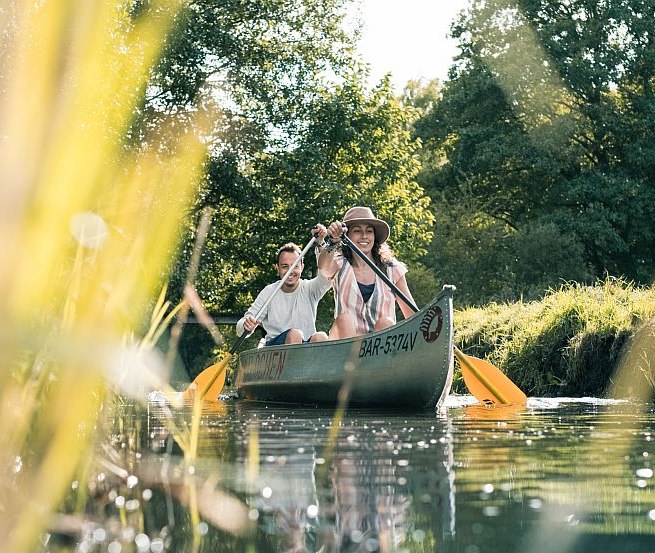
498,412
209,382
487,383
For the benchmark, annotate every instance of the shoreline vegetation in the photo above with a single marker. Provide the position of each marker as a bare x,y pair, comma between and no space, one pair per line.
579,340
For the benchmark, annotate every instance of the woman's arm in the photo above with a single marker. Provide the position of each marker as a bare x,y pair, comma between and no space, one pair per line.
406,310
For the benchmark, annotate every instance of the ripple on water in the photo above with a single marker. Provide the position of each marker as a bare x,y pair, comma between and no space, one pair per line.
575,470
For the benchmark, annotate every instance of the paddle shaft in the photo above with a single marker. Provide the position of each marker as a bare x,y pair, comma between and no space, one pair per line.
246,335
460,355
379,272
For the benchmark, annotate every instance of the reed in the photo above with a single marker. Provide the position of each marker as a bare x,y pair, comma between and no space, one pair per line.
88,230
569,343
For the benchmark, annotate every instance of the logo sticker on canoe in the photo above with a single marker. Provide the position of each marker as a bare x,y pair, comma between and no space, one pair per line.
432,323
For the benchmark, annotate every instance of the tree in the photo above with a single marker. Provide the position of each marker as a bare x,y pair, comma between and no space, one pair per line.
256,67
296,138
260,61
357,149
543,125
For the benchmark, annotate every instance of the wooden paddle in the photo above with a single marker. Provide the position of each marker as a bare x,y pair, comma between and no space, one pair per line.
485,381
210,381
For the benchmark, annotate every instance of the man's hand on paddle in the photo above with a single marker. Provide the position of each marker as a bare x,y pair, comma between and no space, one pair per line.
250,323
320,232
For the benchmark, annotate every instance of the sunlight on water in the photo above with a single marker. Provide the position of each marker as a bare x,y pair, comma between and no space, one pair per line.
560,475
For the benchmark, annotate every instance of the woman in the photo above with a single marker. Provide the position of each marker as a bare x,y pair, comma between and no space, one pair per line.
362,301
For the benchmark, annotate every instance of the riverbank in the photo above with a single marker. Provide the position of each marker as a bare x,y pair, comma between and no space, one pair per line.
571,343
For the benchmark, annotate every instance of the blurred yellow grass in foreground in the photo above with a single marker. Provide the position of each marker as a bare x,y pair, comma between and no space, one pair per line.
87,231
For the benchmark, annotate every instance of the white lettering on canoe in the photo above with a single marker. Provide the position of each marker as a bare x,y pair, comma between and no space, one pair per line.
267,365
393,343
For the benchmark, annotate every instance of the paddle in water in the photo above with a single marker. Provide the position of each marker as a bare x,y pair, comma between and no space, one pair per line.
486,382
209,383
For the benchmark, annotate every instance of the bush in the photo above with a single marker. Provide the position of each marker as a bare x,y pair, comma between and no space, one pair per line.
490,261
570,343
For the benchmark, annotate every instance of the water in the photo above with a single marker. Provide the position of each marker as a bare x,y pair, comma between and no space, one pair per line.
558,476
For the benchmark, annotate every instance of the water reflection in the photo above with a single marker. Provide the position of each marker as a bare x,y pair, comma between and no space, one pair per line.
479,411
356,494
386,484
370,514
284,493
556,476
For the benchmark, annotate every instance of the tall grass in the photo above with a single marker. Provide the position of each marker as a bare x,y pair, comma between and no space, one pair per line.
570,343
88,227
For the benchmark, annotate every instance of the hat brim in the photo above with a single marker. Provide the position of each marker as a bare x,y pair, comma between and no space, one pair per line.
380,226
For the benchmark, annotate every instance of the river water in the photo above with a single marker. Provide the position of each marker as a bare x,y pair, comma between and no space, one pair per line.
560,475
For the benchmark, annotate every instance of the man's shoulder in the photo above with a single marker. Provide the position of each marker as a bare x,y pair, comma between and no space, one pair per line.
268,288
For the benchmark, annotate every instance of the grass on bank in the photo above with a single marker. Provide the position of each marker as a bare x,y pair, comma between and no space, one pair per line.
571,343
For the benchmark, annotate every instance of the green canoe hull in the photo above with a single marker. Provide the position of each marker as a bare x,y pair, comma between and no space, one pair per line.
409,365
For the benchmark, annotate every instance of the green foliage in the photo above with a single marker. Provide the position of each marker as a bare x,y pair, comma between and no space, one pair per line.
488,260
356,149
540,250
424,284
297,140
568,344
543,136
259,60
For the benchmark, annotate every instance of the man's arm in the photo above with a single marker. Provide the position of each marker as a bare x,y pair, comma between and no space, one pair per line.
248,322
327,266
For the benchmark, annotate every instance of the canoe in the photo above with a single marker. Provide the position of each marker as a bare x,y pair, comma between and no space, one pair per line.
408,365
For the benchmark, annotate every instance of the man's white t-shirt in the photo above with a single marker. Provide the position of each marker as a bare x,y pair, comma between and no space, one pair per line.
287,310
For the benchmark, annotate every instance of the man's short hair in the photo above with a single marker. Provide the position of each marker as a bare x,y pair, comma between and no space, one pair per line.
288,247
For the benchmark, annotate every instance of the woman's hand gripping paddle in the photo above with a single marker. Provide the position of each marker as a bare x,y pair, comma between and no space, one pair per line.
486,382
209,383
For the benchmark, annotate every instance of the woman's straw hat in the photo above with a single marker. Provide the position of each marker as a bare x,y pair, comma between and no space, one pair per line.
364,215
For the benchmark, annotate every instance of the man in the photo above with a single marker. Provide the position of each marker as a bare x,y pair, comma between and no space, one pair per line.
290,317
